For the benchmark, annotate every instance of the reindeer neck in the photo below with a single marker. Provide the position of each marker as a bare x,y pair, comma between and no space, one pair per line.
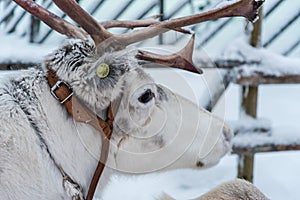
73,146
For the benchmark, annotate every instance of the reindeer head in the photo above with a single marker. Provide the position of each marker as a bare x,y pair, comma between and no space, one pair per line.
78,63
153,128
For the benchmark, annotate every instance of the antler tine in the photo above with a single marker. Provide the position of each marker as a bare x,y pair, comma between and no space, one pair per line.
86,21
245,8
52,20
135,24
181,60
132,23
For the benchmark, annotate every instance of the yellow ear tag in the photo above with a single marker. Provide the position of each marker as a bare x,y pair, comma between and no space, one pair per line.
102,70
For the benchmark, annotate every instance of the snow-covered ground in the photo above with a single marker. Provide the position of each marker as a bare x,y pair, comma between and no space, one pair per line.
276,174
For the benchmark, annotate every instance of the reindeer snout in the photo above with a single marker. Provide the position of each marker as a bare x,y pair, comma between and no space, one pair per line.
227,133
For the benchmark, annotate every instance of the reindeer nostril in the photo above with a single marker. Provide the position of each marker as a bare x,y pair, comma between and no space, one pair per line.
199,164
227,134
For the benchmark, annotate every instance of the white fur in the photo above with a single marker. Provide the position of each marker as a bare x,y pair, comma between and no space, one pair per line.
35,130
233,190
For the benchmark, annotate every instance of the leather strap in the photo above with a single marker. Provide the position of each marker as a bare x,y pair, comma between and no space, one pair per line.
63,93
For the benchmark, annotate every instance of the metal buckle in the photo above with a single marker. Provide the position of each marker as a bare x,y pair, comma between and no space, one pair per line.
56,86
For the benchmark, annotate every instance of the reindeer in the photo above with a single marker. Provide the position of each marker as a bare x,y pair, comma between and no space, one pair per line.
91,97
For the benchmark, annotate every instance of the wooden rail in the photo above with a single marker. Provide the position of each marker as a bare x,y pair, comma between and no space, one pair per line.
269,147
16,66
259,79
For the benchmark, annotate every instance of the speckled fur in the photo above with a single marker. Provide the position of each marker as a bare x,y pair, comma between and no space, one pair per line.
76,63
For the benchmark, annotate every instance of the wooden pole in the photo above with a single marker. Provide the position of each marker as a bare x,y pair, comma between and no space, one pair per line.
162,12
249,106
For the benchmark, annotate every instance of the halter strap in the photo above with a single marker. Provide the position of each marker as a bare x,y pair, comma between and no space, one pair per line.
63,92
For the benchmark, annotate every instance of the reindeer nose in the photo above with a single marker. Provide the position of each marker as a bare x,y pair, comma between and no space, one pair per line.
227,132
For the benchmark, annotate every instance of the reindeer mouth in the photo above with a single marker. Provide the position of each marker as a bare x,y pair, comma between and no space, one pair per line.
220,149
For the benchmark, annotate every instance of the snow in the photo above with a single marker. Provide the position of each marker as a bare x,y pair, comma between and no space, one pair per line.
269,63
247,124
23,51
278,137
180,184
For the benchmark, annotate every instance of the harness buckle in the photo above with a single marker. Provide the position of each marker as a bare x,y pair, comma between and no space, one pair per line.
56,86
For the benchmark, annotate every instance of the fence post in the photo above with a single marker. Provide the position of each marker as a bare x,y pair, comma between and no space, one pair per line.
249,106
162,12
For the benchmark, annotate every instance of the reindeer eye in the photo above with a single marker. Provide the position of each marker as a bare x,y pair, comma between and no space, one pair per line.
146,97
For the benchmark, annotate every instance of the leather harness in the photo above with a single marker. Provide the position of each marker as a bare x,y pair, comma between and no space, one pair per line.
63,92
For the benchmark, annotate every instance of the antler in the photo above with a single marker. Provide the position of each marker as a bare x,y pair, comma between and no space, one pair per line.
245,8
137,23
181,60
131,23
